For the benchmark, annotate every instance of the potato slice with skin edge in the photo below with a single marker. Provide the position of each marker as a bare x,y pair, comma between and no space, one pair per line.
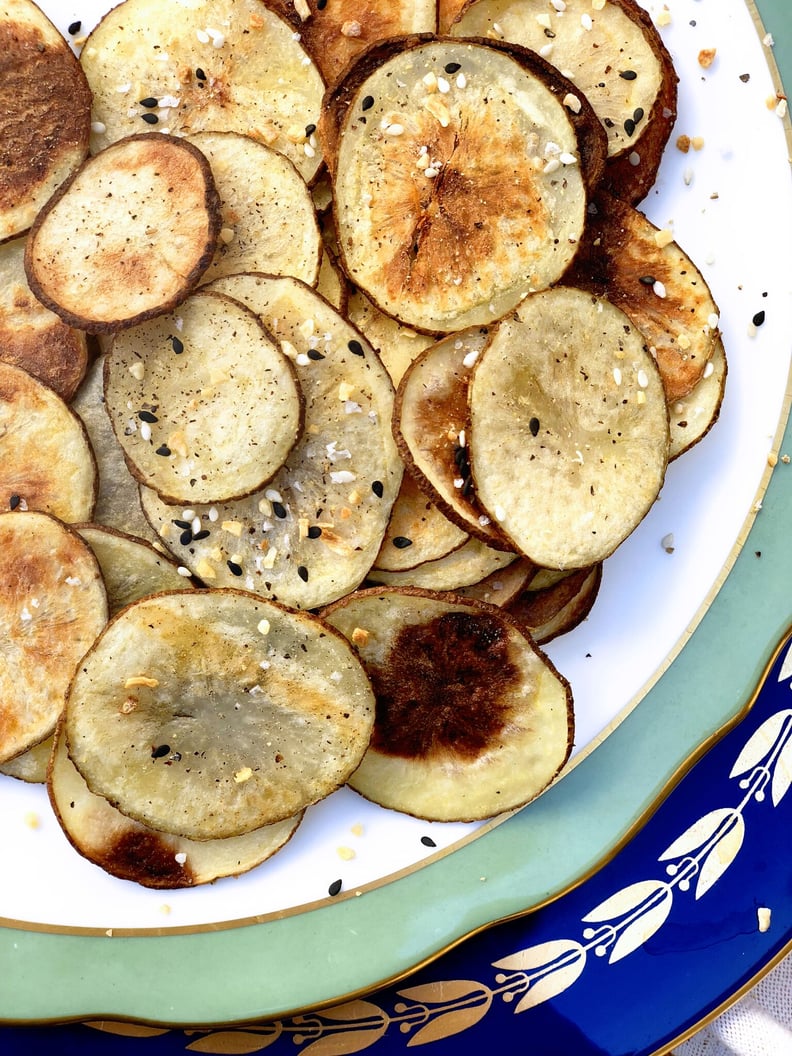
430,420
52,606
132,851
418,248
692,417
118,496
208,714
30,766
647,274
569,433
336,33
501,586
127,236
417,532
131,568
203,402
468,564
233,65
472,720
312,534
46,460
559,608
616,58
31,336
269,223
45,114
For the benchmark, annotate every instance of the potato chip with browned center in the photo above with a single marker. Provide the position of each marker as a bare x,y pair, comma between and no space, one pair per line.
471,718
459,182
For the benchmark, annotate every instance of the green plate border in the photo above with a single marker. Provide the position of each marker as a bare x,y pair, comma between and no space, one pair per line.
349,947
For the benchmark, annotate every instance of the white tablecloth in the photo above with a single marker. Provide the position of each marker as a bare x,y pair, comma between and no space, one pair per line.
760,1024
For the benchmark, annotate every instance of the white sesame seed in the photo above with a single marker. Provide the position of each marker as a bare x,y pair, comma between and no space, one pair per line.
145,431
99,127
546,50
273,495
586,21
461,81
443,85
499,512
659,289
713,321
567,159
643,379
185,572
202,36
394,130
470,358
709,370
617,375
180,857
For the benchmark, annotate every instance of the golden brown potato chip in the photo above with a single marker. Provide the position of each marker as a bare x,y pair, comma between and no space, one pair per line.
45,114
46,461
52,607
128,236
33,337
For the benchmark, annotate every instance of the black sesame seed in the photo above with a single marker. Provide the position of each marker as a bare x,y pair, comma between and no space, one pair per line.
150,102
314,531
321,5
401,542
460,455
186,537
315,354
164,450
279,510
14,501
234,568
302,572
310,129
378,489
335,887
367,103
628,75
150,119
759,318
427,841
199,73
533,425
629,126
467,486
75,27
147,416
177,345
160,750
356,348
203,534
452,67
182,524
638,114
647,280
608,122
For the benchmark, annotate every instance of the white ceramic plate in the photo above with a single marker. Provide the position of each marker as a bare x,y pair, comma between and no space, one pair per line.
650,599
